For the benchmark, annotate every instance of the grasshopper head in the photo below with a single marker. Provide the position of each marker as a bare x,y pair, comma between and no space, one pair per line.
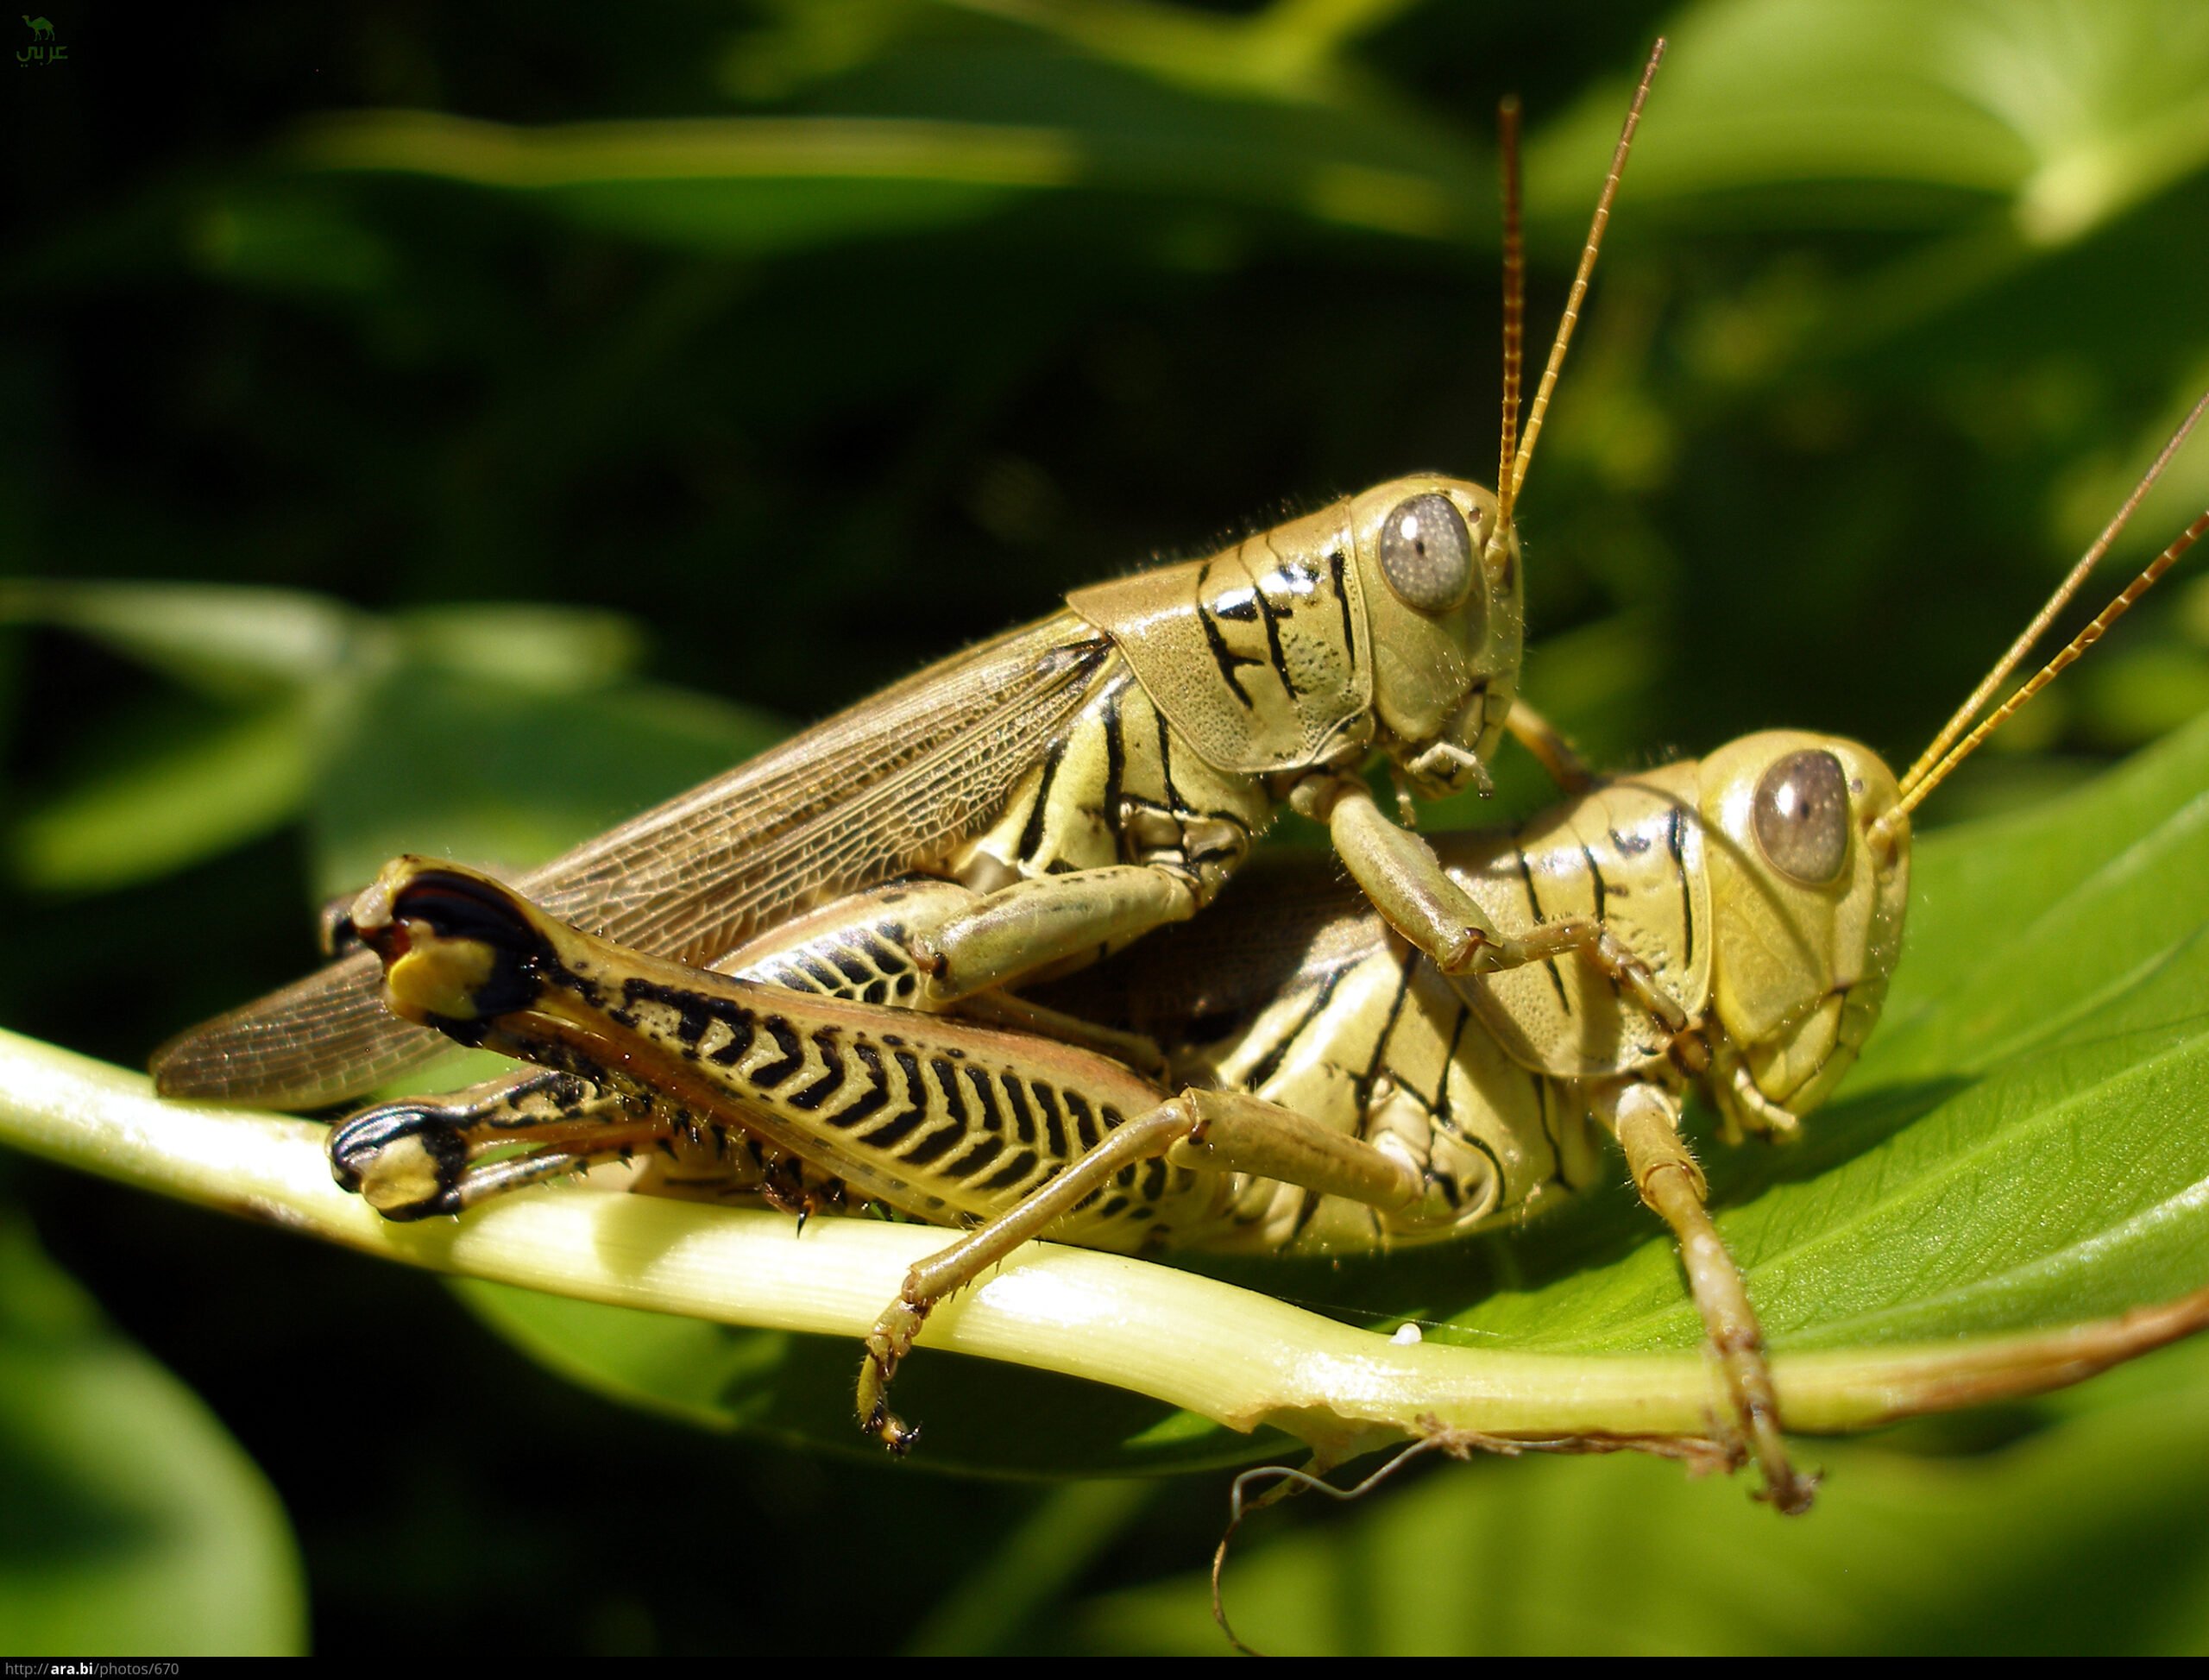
1807,901
1443,603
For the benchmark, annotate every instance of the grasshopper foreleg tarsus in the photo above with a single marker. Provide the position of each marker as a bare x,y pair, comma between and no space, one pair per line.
1211,1131
1646,1120
1033,923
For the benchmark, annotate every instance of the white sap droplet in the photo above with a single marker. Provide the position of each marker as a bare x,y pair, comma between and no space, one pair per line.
1407,1335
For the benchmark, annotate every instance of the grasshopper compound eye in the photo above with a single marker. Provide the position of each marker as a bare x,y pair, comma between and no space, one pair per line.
1801,817
1427,554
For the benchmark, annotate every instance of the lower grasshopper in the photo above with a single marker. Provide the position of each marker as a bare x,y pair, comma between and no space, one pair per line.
1093,776
1339,1092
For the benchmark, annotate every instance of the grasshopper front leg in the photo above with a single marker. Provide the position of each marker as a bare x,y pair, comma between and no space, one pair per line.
1208,1131
1400,873
1035,923
1646,1119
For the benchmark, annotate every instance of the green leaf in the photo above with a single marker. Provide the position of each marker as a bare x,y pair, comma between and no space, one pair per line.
951,132
188,794
233,642
133,1525
2068,115
528,646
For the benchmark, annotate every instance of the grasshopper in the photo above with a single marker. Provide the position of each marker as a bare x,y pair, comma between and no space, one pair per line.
1091,778
1333,1088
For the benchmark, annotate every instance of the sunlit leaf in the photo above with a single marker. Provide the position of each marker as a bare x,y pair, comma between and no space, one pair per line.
234,642
183,798
2065,114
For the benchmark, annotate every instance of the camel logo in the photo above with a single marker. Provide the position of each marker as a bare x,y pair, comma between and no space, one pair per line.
43,49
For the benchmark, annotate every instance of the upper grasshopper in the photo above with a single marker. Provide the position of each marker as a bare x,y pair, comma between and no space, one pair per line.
1091,777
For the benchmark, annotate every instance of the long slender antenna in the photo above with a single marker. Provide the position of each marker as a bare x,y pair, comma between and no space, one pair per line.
1921,780
1515,313
1517,476
2055,668
2010,661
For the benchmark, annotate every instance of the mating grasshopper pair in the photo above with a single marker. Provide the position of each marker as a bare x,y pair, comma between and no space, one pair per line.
1072,786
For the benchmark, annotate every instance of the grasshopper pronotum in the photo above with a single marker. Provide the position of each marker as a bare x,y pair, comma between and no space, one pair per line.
1341,1092
1091,777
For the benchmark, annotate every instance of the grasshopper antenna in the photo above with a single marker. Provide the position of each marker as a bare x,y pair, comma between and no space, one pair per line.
1515,316
1515,480
2033,631
1936,763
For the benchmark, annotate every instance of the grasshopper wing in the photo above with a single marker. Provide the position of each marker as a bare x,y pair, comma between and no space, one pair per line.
889,786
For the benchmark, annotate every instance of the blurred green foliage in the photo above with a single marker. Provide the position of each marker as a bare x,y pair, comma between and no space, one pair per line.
773,350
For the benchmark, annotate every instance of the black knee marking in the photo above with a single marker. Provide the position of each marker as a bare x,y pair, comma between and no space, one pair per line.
358,1147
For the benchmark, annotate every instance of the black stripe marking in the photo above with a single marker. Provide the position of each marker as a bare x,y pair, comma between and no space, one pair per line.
1166,762
871,1100
1154,1180
691,1021
832,1074
937,1144
1342,600
1442,1110
1054,1127
1269,1064
892,1132
1031,833
741,1033
1023,1117
1013,1172
946,1081
770,1074
1533,899
825,979
992,1118
1273,616
1502,1179
975,1159
1226,658
1595,875
1116,757
1085,1122
1362,1085
895,1131
1542,1093
1632,845
1244,611
1676,843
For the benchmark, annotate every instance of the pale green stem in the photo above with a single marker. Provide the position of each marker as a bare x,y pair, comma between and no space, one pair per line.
1240,1358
